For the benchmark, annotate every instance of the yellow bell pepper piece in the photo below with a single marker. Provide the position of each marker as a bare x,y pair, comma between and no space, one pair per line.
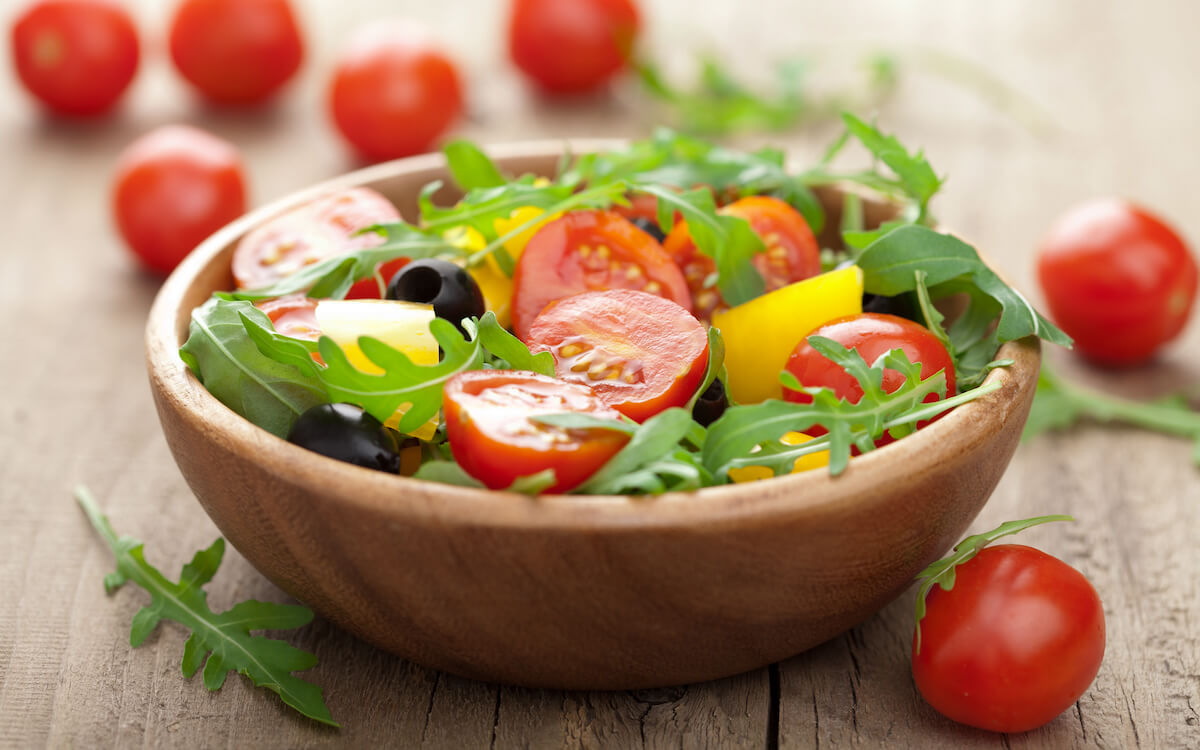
804,463
516,245
761,334
496,286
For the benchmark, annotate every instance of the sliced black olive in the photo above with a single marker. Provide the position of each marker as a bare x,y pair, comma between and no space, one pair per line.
650,227
347,433
900,305
449,288
711,404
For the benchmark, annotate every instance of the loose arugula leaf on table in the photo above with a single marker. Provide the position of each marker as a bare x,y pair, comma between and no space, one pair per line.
1059,404
941,573
471,167
268,391
220,642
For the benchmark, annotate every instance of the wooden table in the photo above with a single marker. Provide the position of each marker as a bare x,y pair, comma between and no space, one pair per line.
1118,81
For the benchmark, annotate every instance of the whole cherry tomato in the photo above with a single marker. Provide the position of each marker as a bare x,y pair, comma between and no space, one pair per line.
872,335
1013,644
586,251
791,253
394,92
76,56
639,352
494,439
173,188
1117,279
236,52
572,46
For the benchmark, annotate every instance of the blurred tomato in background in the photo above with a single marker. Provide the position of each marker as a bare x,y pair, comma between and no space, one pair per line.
572,46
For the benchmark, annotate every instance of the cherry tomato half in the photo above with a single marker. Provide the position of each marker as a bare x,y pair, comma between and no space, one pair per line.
586,251
317,230
572,46
493,438
76,56
1117,279
640,353
393,92
872,335
173,188
791,253
375,286
294,315
1015,643
236,52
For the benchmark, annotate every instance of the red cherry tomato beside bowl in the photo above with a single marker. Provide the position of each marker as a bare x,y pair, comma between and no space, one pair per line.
173,188
76,56
1013,644
572,46
394,92
1118,280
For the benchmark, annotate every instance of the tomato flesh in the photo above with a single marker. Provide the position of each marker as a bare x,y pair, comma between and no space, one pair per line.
590,251
315,231
572,47
1118,280
791,252
76,56
1013,644
872,335
640,353
492,436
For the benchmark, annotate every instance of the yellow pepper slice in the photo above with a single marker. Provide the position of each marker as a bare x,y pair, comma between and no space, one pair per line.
761,334
804,463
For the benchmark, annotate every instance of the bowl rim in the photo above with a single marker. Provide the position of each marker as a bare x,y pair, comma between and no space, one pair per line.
812,493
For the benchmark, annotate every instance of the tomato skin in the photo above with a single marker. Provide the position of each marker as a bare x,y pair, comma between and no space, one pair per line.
493,439
572,46
236,52
871,335
320,229
173,187
1015,643
393,92
76,56
1117,279
369,287
640,353
586,251
791,253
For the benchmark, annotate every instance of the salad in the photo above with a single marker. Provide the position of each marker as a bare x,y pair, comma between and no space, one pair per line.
656,318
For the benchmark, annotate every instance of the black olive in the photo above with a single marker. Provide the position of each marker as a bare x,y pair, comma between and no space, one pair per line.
449,288
650,227
347,433
899,305
711,404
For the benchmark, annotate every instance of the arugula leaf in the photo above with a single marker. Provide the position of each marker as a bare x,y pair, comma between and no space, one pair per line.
267,391
481,207
507,351
890,265
447,472
714,368
218,642
1059,404
941,572
915,174
471,167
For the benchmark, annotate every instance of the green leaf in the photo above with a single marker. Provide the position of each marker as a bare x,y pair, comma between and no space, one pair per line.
534,484
941,573
716,363
470,166
510,352
447,472
224,639
890,265
913,170
222,355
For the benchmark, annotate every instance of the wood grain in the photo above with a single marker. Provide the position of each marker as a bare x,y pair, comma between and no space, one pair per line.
1118,80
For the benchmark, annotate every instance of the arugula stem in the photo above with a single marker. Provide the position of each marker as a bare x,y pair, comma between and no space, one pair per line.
564,205
99,521
1103,407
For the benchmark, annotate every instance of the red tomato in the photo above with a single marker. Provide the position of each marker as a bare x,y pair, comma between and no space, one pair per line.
586,251
375,287
1117,279
317,230
76,56
791,253
640,353
394,92
493,438
1015,643
173,188
572,46
294,315
872,335
236,52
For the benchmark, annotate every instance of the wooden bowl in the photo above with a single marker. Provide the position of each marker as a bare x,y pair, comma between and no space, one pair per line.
568,591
